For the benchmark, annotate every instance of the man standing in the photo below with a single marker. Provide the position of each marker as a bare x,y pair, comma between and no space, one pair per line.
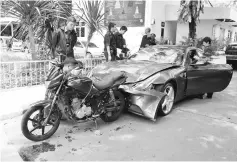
110,43
146,39
119,37
120,41
208,51
153,39
64,40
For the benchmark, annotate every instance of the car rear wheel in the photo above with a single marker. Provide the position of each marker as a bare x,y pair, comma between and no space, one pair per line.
167,105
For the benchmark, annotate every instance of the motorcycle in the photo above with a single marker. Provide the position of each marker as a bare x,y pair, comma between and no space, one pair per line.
78,99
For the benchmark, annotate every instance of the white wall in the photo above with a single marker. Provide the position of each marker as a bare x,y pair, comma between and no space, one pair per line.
158,13
133,36
204,28
170,30
154,10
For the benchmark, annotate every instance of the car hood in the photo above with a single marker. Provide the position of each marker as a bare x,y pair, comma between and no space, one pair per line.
136,70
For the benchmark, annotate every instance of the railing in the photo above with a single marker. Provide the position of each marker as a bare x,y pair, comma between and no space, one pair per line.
30,73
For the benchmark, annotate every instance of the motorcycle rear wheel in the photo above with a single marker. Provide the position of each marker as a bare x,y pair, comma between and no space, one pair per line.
37,124
115,114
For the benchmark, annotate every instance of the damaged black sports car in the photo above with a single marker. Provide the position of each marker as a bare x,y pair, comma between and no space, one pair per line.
159,76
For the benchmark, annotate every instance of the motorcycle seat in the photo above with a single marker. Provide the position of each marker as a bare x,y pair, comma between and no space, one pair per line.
110,80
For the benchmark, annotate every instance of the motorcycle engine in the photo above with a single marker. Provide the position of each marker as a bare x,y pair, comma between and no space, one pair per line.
80,110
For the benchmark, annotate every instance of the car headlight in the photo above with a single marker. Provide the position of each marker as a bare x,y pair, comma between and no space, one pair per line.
147,84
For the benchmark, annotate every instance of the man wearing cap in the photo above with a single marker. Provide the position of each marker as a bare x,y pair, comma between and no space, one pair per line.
64,40
110,48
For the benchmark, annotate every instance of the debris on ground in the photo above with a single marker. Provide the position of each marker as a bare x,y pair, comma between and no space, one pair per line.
69,138
30,153
70,131
59,145
73,149
88,129
118,128
98,132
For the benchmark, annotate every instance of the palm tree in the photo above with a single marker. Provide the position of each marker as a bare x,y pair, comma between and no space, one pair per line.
189,12
31,14
92,13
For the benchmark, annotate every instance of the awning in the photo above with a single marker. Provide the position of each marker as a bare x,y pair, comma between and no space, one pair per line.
210,13
6,20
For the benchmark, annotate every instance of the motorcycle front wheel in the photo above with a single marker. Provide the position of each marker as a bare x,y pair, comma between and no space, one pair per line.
114,115
32,123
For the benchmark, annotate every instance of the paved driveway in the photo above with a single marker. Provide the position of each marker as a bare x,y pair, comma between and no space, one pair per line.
195,130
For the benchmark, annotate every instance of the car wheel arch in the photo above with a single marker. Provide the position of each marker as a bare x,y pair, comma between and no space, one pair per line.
161,85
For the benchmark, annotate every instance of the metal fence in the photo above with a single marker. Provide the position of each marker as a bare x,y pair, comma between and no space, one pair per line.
30,73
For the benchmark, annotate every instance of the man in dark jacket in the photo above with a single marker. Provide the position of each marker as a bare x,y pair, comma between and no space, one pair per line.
153,39
110,43
120,41
207,48
146,39
64,39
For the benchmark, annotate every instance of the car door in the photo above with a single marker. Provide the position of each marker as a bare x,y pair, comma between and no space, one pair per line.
199,76
207,77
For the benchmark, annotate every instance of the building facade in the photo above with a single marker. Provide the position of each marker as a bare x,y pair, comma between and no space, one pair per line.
161,16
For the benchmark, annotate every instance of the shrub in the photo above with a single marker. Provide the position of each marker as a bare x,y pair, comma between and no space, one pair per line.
216,44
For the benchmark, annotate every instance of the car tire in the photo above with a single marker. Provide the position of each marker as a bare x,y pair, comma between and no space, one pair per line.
167,105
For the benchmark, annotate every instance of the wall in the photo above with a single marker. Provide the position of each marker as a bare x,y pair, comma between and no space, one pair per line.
170,30
133,36
154,10
158,13
204,28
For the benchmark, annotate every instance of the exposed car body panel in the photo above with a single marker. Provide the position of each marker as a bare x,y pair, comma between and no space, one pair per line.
136,70
143,103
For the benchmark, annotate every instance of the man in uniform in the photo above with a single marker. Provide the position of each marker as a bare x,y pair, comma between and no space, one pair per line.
110,43
120,41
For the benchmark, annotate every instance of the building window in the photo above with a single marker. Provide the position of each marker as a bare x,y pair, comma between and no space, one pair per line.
6,30
81,29
235,39
162,29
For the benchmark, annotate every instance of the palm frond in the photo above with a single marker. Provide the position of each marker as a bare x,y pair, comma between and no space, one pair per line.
91,12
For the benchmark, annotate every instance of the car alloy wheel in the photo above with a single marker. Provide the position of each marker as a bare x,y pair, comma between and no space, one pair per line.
168,103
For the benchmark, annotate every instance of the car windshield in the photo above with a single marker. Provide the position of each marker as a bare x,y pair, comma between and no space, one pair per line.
91,45
160,55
